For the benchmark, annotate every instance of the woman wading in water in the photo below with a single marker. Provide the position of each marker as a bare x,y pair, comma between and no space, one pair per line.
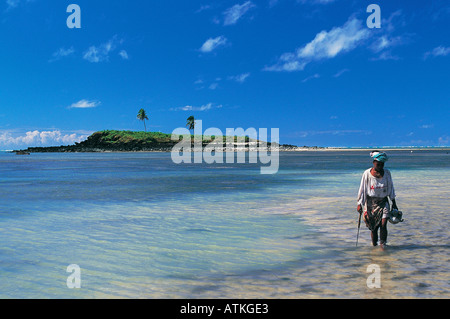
376,187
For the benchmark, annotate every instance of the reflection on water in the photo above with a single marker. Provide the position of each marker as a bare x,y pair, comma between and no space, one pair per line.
141,227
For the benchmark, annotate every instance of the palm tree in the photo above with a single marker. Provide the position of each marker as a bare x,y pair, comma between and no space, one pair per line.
142,115
191,123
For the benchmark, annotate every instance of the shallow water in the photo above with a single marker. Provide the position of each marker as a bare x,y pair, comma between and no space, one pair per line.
140,226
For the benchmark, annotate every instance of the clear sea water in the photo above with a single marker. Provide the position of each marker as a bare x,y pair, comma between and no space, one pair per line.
140,226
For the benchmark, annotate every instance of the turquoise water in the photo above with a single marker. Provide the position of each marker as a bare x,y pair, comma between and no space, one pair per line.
140,226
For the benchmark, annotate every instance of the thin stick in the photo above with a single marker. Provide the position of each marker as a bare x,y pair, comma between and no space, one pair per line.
359,225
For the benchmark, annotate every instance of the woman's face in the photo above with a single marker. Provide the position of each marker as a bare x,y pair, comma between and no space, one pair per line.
378,166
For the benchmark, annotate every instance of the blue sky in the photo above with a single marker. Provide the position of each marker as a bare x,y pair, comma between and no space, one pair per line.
311,68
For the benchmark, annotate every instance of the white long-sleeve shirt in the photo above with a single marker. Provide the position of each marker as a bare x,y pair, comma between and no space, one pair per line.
375,187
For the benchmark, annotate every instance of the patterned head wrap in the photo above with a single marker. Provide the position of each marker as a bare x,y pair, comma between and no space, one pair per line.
379,156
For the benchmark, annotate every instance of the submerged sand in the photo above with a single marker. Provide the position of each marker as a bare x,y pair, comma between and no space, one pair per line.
414,265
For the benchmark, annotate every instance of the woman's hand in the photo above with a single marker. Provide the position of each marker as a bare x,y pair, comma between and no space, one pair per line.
359,208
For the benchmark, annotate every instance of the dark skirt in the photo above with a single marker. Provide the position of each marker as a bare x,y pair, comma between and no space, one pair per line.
376,208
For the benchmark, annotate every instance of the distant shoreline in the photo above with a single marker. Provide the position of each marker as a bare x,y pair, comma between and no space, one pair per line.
68,149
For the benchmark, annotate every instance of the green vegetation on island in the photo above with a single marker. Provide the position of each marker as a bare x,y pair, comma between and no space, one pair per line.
135,141
130,141
115,141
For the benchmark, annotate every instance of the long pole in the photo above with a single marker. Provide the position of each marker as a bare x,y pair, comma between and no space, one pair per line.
359,225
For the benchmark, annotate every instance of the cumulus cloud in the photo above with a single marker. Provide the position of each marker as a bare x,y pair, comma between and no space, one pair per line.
346,38
40,138
213,43
233,14
325,45
84,104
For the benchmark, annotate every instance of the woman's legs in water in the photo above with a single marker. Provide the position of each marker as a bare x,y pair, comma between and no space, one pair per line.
383,233
374,236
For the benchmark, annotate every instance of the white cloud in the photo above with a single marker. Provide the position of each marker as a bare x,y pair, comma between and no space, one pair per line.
381,43
203,8
124,54
239,78
439,51
212,44
84,104
213,86
386,55
340,73
12,3
57,136
384,44
329,44
96,54
326,45
315,76
202,108
61,53
395,20
40,138
233,14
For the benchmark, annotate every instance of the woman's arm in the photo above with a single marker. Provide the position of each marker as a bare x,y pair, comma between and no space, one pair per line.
392,192
362,194
394,204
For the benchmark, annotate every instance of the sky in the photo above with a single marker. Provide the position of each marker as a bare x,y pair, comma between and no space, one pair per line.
314,69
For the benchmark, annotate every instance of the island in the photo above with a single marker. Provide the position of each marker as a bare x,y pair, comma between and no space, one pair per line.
132,141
